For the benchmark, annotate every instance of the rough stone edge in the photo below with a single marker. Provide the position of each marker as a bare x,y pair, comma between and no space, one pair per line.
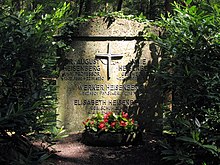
89,27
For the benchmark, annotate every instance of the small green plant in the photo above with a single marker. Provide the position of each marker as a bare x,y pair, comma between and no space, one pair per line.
57,133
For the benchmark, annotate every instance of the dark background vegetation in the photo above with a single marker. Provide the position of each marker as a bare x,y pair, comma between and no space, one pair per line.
189,72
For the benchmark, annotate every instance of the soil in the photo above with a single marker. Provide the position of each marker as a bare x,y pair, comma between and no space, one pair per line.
71,151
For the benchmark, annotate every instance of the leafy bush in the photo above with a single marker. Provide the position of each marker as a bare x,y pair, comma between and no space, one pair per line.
190,72
27,71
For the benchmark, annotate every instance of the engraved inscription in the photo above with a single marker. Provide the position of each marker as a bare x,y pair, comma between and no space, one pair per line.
90,70
82,70
92,85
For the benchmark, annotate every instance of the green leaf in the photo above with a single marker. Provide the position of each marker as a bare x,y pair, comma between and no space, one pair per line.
188,2
44,157
212,148
170,158
195,135
192,10
187,139
167,152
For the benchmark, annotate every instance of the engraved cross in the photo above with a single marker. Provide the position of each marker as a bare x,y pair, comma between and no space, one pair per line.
109,56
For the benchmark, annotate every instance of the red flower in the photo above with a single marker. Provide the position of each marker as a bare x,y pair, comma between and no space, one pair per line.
123,124
91,122
102,125
106,115
85,122
106,120
125,115
113,124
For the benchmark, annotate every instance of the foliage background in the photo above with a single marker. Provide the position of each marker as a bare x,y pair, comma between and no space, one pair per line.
190,72
27,85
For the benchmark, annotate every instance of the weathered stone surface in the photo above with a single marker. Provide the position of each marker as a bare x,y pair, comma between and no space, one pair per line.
88,85
110,27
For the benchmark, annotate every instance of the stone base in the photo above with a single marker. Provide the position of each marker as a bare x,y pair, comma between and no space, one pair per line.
110,139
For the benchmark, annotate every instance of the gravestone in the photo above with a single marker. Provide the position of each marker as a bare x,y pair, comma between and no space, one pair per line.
107,70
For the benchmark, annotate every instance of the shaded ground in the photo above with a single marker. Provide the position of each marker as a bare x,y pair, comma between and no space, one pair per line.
72,152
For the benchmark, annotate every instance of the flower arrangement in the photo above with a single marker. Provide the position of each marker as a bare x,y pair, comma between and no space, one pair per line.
111,122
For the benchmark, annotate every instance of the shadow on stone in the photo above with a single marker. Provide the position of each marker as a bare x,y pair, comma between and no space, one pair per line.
147,106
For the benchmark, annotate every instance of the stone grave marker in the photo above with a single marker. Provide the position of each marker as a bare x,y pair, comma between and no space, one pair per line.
107,71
